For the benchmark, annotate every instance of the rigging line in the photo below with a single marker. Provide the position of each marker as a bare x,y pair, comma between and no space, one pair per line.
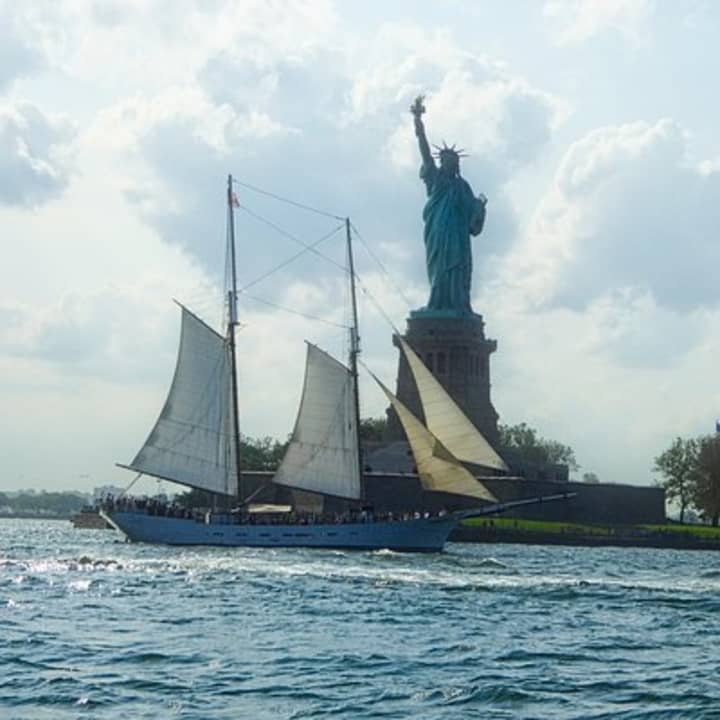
376,303
292,237
382,267
294,312
295,257
287,200
129,487
366,291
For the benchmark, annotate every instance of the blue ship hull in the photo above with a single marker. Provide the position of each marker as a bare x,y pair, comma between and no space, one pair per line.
416,535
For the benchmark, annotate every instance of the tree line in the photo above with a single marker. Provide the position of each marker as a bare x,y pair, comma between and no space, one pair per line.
528,444
690,472
267,453
50,504
536,449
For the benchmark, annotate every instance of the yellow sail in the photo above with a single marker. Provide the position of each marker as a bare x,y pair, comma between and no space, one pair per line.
446,421
437,467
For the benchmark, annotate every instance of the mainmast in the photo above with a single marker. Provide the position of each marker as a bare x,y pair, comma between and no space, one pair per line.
354,352
232,324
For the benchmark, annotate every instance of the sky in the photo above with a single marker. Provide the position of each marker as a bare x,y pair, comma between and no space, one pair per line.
590,125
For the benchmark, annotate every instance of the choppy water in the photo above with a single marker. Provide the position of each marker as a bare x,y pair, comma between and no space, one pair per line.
91,627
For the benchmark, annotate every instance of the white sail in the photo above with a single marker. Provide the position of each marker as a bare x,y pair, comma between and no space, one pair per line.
446,420
323,452
193,441
438,469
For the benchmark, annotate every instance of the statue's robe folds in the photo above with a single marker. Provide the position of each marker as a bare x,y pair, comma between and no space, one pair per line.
451,214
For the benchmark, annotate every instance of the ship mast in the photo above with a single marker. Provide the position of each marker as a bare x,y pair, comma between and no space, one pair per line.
354,352
232,324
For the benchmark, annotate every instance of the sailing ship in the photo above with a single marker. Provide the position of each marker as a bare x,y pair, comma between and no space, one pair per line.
196,442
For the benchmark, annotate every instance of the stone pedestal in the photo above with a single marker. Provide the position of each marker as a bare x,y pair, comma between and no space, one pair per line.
458,354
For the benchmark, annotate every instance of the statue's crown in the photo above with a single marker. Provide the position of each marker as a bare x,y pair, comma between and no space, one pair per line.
451,150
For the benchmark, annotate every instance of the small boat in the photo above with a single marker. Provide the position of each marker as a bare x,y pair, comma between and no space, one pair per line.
89,518
195,442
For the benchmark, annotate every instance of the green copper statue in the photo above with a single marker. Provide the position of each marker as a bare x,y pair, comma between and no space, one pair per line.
451,214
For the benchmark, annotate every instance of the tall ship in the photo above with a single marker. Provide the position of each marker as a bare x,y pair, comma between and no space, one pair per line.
195,442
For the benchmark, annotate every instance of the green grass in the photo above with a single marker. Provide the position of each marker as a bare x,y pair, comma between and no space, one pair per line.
541,526
700,532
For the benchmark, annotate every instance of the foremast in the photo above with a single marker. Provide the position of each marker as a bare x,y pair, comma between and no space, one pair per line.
354,353
232,324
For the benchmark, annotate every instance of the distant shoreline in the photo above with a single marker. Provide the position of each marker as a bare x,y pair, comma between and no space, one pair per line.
621,536
33,516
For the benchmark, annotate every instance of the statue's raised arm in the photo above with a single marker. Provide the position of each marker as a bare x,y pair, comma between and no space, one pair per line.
418,109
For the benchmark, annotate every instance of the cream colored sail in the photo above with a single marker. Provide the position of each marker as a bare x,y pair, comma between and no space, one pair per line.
446,420
193,441
323,453
438,469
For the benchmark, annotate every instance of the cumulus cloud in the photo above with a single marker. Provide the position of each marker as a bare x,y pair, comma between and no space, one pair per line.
116,333
471,99
626,212
629,328
180,192
606,308
579,20
604,287
616,381
20,54
161,43
295,123
35,162
499,119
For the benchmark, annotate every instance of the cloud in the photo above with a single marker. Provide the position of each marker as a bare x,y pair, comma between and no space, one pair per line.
296,123
577,21
115,333
20,54
606,311
500,120
626,213
616,381
124,46
630,329
474,101
35,159
598,293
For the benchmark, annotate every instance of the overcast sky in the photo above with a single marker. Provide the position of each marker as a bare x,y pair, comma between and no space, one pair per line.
591,125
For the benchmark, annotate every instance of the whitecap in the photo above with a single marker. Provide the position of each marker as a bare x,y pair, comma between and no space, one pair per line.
492,562
80,585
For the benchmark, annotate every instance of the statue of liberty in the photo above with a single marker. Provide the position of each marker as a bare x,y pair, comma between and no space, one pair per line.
451,215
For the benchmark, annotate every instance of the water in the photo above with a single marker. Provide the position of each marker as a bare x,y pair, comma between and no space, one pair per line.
91,627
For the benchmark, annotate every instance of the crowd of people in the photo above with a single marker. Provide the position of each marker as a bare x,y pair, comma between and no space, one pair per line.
245,516
151,506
